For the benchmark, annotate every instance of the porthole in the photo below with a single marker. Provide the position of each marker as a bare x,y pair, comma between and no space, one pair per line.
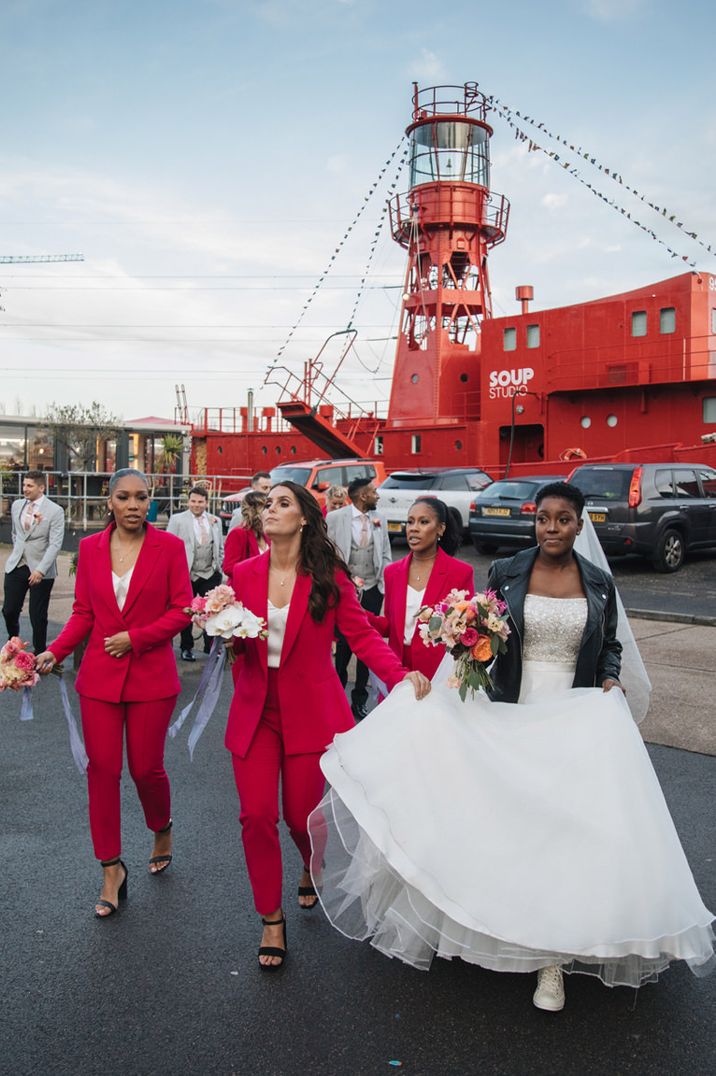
464,377
458,446
415,378
585,422
612,420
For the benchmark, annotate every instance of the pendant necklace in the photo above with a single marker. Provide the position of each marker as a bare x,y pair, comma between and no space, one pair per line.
428,560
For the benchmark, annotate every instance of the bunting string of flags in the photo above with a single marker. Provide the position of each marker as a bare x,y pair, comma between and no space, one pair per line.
376,236
516,119
346,235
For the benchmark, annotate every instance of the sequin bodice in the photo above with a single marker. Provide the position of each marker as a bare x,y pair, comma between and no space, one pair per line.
553,628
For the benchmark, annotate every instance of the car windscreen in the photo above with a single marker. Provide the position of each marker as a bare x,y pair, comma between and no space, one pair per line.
299,475
605,484
409,481
512,491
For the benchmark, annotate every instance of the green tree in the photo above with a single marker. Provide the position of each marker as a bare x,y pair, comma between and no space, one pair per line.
78,428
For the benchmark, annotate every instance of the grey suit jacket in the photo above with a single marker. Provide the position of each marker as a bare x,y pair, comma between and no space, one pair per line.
339,524
182,524
41,544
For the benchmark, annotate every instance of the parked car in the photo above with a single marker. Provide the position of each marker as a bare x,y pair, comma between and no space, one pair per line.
503,514
659,510
456,486
316,475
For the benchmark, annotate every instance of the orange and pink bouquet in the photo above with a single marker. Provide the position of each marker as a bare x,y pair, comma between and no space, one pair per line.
473,630
17,666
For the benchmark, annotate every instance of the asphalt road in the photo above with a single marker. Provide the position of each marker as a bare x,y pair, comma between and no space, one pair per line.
690,591
170,985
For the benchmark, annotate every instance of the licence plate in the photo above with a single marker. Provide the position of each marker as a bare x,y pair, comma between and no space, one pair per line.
597,517
395,528
495,511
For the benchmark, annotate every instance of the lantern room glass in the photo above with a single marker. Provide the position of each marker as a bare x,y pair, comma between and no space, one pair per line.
451,151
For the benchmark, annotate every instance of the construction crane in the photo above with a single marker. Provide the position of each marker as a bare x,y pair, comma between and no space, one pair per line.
33,259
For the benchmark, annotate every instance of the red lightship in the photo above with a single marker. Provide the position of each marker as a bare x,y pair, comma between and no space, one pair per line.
625,377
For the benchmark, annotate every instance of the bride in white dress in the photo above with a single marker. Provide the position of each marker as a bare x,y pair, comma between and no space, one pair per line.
523,838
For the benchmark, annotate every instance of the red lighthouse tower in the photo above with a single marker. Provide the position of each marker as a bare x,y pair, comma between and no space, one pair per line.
448,221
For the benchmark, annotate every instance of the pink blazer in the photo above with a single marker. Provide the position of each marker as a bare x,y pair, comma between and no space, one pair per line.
313,703
159,590
241,543
447,574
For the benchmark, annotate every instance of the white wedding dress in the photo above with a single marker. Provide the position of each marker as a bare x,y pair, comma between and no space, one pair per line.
512,836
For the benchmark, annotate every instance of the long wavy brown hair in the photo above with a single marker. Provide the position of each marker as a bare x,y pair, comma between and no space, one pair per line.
251,508
318,557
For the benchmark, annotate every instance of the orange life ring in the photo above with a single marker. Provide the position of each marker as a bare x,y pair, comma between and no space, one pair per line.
573,454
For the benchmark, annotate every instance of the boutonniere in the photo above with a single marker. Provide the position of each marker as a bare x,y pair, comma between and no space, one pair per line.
376,522
213,520
37,516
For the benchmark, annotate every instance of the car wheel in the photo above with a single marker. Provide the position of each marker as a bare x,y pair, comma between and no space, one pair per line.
484,547
669,552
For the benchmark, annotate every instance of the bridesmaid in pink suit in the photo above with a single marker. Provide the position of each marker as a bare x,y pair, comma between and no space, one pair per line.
424,577
247,539
131,591
288,702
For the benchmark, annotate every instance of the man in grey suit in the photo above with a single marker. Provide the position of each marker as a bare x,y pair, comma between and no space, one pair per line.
204,545
361,536
38,528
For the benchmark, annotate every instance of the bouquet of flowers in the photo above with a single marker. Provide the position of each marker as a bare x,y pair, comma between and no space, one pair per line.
473,630
220,613
17,666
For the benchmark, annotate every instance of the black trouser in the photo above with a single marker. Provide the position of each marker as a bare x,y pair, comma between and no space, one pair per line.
371,600
17,584
199,587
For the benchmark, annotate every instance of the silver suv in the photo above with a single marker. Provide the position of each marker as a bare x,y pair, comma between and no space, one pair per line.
456,486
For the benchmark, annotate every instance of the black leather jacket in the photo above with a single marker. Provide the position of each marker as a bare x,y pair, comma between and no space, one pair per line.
600,651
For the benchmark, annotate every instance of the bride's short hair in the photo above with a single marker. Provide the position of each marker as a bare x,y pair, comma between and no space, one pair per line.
566,491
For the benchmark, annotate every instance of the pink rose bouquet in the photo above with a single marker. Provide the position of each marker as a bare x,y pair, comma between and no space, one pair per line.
220,613
473,630
17,666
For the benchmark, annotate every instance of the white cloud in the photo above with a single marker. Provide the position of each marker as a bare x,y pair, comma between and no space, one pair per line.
554,201
427,66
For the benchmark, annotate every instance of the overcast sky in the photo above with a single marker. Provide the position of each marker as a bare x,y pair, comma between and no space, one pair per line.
206,157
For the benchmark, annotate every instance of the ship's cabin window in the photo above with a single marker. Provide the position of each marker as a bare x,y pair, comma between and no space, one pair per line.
713,319
509,339
710,409
612,421
667,320
533,336
378,446
415,443
638,323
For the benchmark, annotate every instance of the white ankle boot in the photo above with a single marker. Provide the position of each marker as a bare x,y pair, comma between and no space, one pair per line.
549,994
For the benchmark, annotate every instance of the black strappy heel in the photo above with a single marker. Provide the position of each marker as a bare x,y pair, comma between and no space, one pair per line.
165,859
274,950
121,892
308,891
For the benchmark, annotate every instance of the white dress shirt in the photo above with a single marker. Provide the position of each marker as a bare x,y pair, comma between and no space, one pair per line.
413,604
276,624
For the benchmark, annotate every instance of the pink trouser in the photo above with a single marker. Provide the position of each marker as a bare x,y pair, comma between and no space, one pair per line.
257,778
103,725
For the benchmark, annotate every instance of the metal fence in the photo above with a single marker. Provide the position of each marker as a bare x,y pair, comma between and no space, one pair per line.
83,494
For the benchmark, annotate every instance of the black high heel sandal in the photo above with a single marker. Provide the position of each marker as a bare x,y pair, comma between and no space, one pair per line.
274,950
165,859
307,891
121,892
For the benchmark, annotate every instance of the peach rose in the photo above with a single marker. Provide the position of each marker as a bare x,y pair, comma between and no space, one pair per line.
482,651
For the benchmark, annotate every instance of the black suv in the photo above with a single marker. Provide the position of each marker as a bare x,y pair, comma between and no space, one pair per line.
659,510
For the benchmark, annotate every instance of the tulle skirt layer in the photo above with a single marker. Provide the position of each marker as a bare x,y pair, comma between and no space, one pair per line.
512,836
